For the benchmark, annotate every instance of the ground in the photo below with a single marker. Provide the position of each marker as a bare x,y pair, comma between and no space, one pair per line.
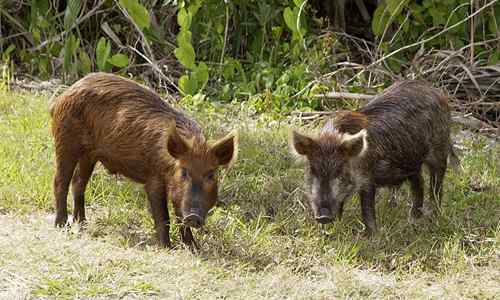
260,242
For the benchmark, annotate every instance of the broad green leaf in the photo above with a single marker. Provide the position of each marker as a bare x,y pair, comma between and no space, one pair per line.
290,19
395,7
35,33
229,71
70,46
85,62
119,60
186,56
494,21
6,53
102,54
380,19
494,58
152,35
71,13
194,6
385,14
137,12
200,74
439,17
188,85
298,2
184,19
184,39
44,66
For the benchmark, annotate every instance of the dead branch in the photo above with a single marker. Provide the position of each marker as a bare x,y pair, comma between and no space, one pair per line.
149,56
342,95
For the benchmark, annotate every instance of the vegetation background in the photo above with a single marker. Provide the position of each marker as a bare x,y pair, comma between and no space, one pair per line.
260,67
279,55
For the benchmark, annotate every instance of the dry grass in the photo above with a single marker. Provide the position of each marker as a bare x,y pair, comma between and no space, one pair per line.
259,243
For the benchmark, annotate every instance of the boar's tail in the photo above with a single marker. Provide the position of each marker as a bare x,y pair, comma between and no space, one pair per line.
453,159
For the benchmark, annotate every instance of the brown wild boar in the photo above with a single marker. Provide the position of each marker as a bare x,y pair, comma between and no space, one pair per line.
385,143
133,132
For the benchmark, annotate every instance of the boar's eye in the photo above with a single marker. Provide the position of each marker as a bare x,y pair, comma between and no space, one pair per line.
184,173
210,176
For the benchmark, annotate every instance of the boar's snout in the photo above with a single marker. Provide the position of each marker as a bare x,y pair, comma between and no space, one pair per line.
193,219
324,216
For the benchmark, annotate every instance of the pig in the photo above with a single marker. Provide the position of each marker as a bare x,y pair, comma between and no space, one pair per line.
131,131
383,144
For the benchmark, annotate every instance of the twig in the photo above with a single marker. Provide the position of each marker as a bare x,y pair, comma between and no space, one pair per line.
312,113
470,122
25,32
469,73
324,76
342,95
154,66
472,29
298,20
391,17
225,34
145,45
105,27
456,53
362,10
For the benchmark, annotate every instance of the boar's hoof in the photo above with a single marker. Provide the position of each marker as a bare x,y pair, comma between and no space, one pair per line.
61,222
324,216
193,220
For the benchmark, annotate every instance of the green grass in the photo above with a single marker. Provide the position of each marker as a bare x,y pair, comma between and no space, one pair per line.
261,241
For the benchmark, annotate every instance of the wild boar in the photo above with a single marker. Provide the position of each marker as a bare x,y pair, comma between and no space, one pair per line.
385,143
133,132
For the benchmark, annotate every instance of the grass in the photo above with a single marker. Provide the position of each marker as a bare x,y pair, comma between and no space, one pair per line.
261,241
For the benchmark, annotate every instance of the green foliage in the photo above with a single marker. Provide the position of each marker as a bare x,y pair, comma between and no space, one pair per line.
385,13
185,52
71,13
273,53
294,20
102,53
119,60
70,51
137,12
418,20
6,55
85,62
193,83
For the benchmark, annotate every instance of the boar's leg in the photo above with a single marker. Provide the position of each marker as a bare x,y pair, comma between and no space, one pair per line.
367,195
187,237
417,189
78,185
340,211
65,166
157,196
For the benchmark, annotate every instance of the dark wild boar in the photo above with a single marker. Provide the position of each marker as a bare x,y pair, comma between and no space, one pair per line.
385,143
133,132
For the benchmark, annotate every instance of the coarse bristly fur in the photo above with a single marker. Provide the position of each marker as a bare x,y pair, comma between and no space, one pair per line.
133,132
385,143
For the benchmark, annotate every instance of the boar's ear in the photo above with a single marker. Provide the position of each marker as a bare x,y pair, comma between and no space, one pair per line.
176,145
226,149
355,144
301,144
